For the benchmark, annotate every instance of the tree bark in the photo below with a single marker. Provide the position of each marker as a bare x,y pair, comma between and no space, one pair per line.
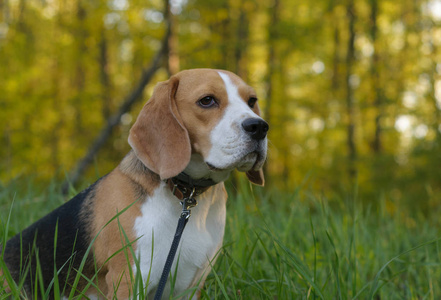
375,76
173,62
434,77
240,45
224,28
114,120
80,80
271,63
104,75
3,11
335,83
21,11
54,139
7,148
242,34
350,105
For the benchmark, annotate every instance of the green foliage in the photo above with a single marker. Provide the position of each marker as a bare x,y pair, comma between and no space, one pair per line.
67,65
298,245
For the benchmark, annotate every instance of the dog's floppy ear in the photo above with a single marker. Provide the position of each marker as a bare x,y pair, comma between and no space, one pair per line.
254,176
158,136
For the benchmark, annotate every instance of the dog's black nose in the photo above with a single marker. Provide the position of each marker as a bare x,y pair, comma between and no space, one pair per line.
256,128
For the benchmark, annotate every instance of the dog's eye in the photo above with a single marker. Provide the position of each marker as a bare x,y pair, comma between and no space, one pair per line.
252,101
207,102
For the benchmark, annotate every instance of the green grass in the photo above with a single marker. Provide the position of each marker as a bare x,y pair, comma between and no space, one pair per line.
295,245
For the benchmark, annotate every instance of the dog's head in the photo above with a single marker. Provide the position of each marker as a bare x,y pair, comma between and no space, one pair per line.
206,122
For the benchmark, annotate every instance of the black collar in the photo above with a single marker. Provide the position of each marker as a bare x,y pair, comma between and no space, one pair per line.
183,186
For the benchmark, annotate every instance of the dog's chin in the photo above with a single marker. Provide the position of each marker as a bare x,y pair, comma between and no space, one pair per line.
251,161
248,162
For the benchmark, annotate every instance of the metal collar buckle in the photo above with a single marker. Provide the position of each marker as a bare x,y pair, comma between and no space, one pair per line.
187,203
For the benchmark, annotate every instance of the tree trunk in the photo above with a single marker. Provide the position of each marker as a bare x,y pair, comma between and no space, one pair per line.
375,76
7,147
104,75
240,45
114,120
434,78
173,62
224,32
336,60
271,63
242,34
4,11
21,11
350,103
80,70
54,139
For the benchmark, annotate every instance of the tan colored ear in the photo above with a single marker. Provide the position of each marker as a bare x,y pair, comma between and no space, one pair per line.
256,177
158,136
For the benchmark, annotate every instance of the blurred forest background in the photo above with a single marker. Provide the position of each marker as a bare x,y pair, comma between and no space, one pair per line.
351,89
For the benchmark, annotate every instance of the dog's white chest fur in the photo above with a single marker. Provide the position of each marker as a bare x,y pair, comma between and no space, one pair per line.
199,244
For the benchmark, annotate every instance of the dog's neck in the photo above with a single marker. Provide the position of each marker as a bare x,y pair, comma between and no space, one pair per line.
197,169
134,169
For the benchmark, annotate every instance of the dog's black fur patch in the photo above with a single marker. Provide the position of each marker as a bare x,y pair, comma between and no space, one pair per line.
37,242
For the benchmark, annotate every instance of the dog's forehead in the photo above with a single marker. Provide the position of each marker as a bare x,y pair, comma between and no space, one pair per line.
200,80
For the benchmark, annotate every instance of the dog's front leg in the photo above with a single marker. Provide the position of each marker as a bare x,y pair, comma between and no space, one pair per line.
117,258
118,278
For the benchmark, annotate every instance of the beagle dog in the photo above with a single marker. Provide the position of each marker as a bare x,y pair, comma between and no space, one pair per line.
197,127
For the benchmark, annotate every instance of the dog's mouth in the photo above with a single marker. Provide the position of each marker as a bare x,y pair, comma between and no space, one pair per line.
250,161
213,168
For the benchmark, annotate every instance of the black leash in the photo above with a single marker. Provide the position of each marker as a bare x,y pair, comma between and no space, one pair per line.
187,203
